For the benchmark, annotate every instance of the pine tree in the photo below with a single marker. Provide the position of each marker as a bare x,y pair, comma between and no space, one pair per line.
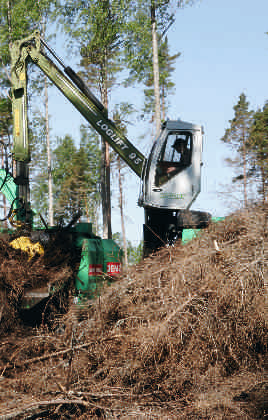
75,177
90,142
259,149
97,29
237,136
148,23
120,115
18,19
166,86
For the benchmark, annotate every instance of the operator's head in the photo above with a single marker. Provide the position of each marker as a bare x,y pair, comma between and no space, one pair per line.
179,144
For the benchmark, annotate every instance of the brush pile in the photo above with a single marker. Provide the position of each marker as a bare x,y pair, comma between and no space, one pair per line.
183,335
20,273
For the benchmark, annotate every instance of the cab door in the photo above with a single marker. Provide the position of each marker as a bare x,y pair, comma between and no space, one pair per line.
173,172
175,156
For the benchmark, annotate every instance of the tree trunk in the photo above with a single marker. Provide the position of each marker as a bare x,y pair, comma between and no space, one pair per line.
105,166
9,21
163,105
263,179
49,172
106,190
122,211
157,115
5,211
245,172
5,224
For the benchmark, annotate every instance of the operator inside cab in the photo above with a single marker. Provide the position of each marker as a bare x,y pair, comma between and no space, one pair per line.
175,156
184,153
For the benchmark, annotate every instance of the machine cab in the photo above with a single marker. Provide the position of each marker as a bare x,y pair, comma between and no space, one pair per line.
172,174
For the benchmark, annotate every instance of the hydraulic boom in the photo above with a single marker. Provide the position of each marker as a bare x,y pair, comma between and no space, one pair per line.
170,176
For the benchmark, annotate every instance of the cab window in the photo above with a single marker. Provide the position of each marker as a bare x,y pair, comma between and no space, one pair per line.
175,155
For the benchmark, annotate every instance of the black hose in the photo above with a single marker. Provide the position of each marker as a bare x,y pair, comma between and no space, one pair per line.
10,210
3,183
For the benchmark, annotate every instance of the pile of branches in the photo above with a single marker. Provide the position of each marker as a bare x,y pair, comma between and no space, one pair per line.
20,273
183,335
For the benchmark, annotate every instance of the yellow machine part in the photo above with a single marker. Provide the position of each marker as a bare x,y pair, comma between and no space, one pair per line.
25,244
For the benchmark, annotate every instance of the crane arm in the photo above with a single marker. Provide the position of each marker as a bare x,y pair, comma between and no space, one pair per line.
31,49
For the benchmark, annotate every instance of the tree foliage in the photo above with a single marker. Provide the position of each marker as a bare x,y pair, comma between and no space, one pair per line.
76,176
166,85
146,30
17,19
97,27
134,253
5,119
237,136
248,137
259,148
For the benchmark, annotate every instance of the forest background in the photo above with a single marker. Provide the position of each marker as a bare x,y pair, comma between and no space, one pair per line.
220,52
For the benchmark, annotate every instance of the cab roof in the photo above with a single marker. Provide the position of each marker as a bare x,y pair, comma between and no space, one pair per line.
181,125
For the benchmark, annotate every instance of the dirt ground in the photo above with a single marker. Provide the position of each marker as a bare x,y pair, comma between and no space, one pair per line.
182,335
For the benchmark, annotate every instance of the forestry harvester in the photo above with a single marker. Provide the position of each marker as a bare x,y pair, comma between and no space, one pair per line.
170,175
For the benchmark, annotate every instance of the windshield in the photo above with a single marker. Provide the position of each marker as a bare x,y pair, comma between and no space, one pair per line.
175,155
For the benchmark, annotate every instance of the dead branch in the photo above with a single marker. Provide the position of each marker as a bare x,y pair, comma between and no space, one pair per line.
33,408
58,353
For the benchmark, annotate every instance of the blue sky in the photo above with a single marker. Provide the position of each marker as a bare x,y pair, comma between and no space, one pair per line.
224,52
